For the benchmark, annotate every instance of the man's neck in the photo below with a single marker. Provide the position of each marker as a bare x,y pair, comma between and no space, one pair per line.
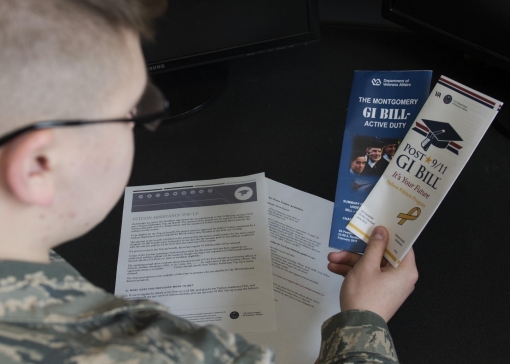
30,257
21,240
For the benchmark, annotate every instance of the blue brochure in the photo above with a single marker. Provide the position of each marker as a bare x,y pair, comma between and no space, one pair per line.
382,108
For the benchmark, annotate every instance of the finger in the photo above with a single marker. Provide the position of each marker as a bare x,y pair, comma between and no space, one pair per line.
340,269
409,259
376,247
344,257
409,262
384,262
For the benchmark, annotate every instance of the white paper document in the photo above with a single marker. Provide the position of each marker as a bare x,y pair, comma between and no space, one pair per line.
202,249
306,293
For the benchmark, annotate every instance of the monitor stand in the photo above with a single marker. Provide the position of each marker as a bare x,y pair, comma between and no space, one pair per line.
191,89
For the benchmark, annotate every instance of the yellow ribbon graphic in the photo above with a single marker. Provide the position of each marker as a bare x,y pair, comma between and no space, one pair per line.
409,215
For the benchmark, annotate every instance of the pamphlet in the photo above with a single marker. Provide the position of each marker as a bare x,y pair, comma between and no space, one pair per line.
166,255
425,166
306,293
382,107
202,249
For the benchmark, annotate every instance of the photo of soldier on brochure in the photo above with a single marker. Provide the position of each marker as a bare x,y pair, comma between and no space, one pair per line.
369,158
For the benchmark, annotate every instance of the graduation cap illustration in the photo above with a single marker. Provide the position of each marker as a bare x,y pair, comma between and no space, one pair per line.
439,134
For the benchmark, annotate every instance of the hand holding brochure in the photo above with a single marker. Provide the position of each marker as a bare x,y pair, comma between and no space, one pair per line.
431,156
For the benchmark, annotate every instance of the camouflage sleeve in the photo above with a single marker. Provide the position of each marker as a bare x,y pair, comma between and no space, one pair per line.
355,337
51,314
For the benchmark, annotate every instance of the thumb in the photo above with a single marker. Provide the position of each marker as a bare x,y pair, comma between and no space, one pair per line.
376,246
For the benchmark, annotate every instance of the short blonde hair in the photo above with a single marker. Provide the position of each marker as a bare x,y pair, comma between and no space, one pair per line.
136,15
57,54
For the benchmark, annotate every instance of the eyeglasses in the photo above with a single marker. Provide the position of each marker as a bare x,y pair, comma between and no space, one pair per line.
151,110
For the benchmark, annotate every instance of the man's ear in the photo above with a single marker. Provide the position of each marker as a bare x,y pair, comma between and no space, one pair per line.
28,168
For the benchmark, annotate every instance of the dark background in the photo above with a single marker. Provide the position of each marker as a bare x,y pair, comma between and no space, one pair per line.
283,113
252,24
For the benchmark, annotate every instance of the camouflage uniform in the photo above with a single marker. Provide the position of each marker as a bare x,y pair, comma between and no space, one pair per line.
50,314
355,337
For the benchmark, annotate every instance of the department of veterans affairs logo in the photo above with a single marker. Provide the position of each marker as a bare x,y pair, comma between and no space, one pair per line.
439,134
447,99
376,82
234,315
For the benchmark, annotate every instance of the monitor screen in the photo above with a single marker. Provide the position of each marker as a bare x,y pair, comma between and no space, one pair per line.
194,32
479,28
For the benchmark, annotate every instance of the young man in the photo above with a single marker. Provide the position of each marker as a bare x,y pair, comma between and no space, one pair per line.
375,164
358,162
389,150
69,60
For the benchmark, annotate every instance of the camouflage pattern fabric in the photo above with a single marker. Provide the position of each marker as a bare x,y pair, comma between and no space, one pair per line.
354,337
50,314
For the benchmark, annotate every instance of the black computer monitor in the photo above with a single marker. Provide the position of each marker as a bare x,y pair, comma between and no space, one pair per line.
478,28
193,37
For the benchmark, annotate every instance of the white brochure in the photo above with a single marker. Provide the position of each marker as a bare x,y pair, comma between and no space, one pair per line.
202,249
425,166
306,293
